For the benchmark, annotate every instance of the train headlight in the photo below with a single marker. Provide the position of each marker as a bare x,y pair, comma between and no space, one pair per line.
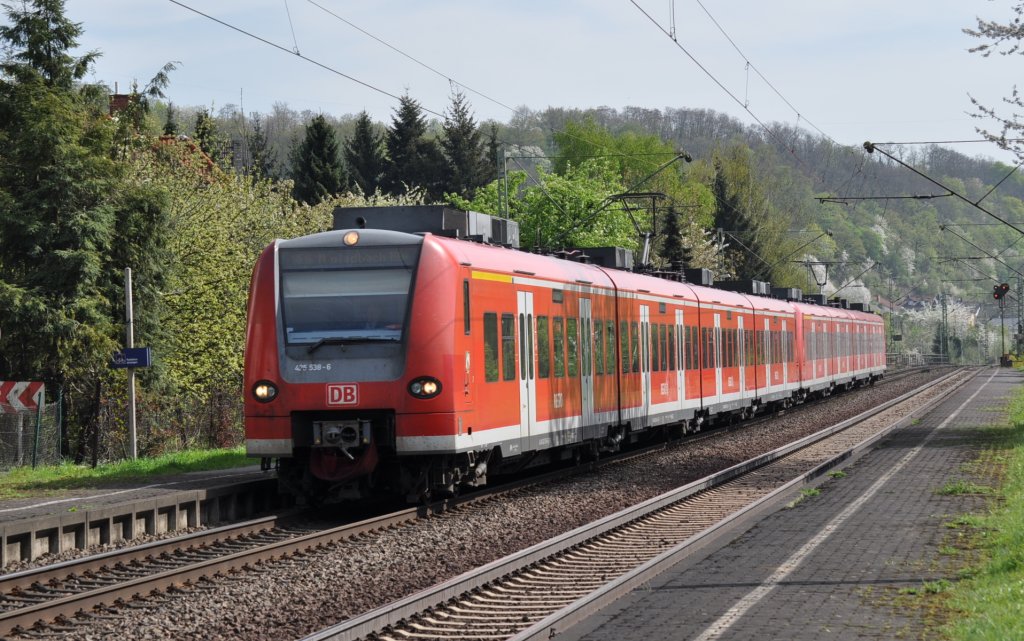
351,238
425,387
264,391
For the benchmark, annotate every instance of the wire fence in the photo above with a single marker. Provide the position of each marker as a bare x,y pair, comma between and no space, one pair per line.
30,438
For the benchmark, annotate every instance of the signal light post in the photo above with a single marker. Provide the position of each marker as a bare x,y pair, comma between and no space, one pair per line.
999,293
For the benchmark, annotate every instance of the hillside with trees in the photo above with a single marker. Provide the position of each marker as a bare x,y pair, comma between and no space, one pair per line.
92,183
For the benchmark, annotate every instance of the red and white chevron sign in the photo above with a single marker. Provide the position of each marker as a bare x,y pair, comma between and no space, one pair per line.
20,396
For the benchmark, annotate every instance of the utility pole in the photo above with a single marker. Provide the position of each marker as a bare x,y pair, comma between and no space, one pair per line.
945,331
1020,316
129,321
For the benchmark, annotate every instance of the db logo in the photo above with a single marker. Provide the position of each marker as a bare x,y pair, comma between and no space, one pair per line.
343,394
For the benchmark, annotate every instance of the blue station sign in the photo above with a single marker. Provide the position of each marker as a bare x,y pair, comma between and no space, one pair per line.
131,357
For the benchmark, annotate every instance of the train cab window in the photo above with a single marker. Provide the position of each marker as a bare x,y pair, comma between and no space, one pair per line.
599,347
508,347
558,343
624,345
490,347
543,348
357,296
572,347
634,346
654,348
609,347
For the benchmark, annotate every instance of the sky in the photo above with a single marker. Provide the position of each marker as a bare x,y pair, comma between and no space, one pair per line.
871,70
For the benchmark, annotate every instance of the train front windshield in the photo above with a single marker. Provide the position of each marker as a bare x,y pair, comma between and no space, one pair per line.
349,295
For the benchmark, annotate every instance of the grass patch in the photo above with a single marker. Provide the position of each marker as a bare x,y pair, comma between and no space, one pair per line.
929,587
988,605
961,487
837,474
26,482
805,493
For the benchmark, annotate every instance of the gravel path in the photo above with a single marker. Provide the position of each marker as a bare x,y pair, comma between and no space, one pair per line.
298,596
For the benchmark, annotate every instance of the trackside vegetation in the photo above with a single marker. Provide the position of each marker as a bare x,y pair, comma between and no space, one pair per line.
26,482
989,604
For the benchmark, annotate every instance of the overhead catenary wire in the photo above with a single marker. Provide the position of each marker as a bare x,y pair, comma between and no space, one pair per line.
743,105
751,65
411,57
298,55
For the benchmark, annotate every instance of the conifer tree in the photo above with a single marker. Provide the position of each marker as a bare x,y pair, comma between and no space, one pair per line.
364,155
492,168
316,163
463,148
674,251
413,159
263,159
171,122
69,224
206,135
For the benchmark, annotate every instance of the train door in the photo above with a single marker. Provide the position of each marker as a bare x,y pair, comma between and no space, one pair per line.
717,353
785,351
766,352
740,356
680,370
527,386
586,366
645,360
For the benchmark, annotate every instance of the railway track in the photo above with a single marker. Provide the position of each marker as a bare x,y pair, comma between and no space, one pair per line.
55,599
546,588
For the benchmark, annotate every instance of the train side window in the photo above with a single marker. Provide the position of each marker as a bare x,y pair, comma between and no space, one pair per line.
704,348
663,339
559,345
508,347
572,346
690,348
490,347
598,346
586,367
634,346
543,348
655,363
465,307
672,347
609,347
624,345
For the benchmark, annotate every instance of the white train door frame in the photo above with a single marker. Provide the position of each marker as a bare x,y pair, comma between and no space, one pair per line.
586,364
527,386
645,360
718,358
766,353
680,353
741,356
785,352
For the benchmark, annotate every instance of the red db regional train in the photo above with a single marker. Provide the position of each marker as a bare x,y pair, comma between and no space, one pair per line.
383,361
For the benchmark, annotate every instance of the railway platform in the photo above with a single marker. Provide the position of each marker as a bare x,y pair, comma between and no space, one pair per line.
842,564
76,518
